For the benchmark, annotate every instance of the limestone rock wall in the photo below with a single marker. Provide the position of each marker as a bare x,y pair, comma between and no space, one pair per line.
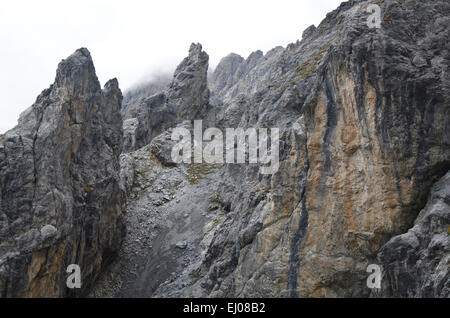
416,263
365,134
364,127
364,119
59,182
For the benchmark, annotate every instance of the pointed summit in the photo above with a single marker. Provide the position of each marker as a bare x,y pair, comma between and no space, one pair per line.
188,94
195,49
226,74
77,73
67,144
186,98
196,62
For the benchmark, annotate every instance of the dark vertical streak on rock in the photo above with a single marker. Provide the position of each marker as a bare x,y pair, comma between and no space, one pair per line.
294,259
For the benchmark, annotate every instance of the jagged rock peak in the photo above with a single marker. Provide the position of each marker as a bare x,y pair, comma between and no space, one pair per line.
234,77
254,57
228,64
112,85
188,93
61,201
196,49
225,71
186,98
309,31
78,72
196,61
232,60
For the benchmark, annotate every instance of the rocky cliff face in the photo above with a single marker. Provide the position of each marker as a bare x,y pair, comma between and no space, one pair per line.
364,119
235,76
365,129
365,134
60,200
416,264
187,98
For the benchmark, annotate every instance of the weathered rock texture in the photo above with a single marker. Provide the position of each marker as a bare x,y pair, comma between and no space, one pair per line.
171,217
416,264
364,119
136,95
364,116
187,98
365,133
235,76
60,200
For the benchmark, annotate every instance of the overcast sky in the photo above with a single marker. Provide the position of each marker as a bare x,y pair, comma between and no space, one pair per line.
131,39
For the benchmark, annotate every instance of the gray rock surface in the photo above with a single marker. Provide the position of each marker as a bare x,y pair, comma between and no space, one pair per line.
309,32
364,134
235,76
169,226
364,119
134,96
186,98
226,74
59,183
417,263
